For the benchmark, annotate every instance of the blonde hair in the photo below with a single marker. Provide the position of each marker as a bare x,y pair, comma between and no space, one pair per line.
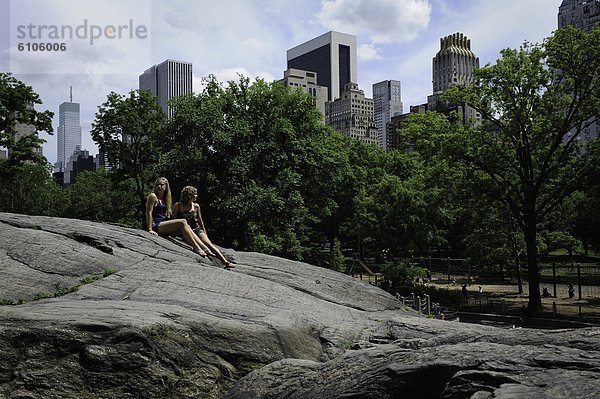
187,193
166,198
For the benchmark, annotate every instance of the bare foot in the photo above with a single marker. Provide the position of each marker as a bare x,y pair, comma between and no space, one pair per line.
200,252
228,265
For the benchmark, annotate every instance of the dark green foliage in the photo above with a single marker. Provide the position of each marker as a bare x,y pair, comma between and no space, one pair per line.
32,191
401,274
272,178
539,99
17,101
126,130
257,152
96,196
24,178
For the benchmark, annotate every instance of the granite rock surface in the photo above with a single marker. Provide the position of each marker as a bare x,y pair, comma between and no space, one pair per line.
94,310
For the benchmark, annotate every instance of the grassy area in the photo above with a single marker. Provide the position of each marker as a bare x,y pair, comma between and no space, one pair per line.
505,299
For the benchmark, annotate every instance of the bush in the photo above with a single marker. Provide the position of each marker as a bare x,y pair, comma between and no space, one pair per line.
401,274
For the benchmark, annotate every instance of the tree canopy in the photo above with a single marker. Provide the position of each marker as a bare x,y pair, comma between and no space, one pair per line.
125,130
535,102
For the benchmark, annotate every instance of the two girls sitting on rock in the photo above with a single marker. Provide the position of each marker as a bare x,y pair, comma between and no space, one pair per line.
187,221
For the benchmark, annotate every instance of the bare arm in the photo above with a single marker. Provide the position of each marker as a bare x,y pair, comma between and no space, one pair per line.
200,221
150,202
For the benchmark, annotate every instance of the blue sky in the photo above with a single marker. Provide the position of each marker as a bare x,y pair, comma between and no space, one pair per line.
396,39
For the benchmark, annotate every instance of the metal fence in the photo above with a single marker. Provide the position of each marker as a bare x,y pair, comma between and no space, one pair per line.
574,312
424,305
585,280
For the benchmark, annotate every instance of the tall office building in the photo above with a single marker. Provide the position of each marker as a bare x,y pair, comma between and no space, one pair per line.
307,82
582,14
386,103
352,115
454,63
69,133
585,15
332,56
166,80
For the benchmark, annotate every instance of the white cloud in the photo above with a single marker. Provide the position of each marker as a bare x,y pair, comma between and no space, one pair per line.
382,21
96,37
367,52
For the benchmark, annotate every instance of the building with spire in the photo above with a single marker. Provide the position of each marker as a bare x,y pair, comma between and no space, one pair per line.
453,65
68,132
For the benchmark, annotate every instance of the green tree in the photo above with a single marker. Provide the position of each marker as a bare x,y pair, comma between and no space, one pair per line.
585,219
32,191
25,182
250,149
125,129
95,196
17,101
539,100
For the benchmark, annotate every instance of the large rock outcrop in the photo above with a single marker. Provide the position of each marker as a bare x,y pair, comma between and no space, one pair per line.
137,316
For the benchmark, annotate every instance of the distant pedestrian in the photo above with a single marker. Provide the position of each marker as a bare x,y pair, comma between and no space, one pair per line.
465,293
480,293
525,314
571,290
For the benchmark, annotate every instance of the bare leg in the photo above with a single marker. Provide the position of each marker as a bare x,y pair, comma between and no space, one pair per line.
201,244
204,238
180,226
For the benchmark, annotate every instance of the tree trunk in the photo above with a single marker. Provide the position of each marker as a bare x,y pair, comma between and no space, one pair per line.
519,281
535,300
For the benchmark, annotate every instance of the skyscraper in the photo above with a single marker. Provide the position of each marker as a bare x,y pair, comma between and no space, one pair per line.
582,14
166,80
352,115
585,15
454,63
332,56
386,103
69,133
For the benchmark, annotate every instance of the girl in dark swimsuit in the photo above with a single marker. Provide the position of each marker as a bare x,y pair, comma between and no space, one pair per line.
189,210
158,214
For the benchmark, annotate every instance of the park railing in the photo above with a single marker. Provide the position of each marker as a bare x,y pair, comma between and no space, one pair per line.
585,279
449,266
575,312
423,305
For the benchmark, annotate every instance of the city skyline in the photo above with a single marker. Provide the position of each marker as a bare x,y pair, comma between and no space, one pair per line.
396,40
